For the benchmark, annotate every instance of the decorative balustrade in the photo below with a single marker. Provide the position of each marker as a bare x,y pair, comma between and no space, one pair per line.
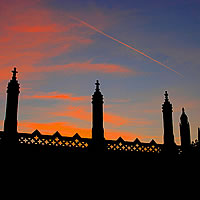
77,143
56,140
136,146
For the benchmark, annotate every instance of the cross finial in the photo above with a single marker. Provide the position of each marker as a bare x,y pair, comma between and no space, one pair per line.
14,73
97,85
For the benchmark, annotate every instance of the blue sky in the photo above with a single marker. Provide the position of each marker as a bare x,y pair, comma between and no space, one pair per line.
59,60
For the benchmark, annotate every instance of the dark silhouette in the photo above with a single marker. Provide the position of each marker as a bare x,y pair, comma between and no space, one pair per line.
97,120
185,132
10,123
169,143
39,144
198,134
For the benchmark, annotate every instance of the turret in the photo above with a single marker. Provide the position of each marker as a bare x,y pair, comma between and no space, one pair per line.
185,131
97,119
10,123
169,143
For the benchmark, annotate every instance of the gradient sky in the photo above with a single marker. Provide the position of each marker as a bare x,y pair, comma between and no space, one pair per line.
59,59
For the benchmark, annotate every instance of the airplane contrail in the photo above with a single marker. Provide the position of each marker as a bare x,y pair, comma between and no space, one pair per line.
120,42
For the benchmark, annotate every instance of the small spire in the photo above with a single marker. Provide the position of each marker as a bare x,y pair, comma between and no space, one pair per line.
97,85
184,116
14,73
166,96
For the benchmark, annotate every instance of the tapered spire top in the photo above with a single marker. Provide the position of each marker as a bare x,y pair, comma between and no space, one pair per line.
97,96
166,96
167,106
184,116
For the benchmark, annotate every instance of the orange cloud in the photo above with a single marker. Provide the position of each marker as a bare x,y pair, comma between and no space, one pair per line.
115,119
126,135
85,67
100,67
82,113
53,28
68,129
65,128
34,34
79,112
56,95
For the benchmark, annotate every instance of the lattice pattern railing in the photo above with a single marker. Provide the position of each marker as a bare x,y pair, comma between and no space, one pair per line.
84,144
54,140
136,146
76,142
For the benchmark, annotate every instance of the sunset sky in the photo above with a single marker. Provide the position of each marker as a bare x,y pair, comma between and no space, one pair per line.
61,47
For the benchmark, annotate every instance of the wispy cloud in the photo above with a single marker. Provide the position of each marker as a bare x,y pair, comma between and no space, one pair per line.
56,96
81,112
69,129
31,35
88,66
65,128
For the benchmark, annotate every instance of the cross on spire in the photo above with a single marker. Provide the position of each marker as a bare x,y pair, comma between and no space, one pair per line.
14,73
97,85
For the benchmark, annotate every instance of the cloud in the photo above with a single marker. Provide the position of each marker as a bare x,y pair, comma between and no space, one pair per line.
69,129
118,120
88,66
65,128
81,112
55,96
113,134
53,28
41,72
32,34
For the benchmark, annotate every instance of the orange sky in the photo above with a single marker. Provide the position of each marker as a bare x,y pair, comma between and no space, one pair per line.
59,59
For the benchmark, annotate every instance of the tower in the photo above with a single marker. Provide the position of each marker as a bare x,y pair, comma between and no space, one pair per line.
97,120
184,131
169,144
10,123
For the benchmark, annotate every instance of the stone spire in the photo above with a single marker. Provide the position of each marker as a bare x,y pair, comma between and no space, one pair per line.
97,119
184,131
10,123
169,142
